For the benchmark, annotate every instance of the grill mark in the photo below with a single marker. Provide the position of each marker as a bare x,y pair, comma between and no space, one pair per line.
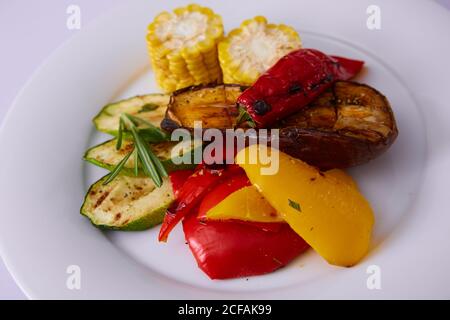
101,199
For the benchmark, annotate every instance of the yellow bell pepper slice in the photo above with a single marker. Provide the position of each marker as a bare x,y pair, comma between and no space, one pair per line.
325,209
245,204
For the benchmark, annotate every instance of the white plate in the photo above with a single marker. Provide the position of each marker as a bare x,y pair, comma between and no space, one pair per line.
44,136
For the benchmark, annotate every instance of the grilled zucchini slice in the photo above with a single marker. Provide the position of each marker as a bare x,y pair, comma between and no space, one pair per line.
151,108
127,203
106,155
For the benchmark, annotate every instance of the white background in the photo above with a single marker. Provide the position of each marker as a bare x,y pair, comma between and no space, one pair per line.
30,31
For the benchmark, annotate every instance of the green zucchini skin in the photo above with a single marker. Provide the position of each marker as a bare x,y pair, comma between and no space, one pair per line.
162,150
151,107
93,205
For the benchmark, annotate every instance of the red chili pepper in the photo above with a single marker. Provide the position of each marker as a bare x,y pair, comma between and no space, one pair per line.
192,192
292,83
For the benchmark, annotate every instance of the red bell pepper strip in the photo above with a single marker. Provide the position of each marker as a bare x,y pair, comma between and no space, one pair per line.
228,249
292,83
233,248
192,192
178,178
222,191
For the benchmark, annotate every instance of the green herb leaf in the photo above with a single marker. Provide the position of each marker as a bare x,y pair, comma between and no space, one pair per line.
139,121
150,131
159,166
136,162
147,164
117,169
294,205
120,135
244,117
151,165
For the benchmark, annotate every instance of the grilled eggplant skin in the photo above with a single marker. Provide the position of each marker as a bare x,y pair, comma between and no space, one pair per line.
328,150
348,125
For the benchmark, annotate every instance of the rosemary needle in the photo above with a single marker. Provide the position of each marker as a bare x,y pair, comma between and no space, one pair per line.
142,153
120,134
136,162
117,169
162,171
150,131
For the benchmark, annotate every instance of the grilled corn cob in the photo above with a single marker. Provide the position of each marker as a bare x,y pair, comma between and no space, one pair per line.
253,48
183,47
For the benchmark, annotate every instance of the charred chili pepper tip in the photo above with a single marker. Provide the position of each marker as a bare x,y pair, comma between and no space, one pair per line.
261,107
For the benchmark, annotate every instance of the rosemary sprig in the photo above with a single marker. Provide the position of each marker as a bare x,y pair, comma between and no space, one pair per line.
142,153
117,169
149,132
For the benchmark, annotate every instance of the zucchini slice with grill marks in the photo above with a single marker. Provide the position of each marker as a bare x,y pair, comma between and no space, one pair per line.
127,203
106,155
151,108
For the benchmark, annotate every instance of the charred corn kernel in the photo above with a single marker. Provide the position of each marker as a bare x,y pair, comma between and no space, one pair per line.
250,50
183,47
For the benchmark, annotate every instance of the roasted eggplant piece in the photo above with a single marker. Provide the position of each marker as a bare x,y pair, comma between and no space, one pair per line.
348,125
213,105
